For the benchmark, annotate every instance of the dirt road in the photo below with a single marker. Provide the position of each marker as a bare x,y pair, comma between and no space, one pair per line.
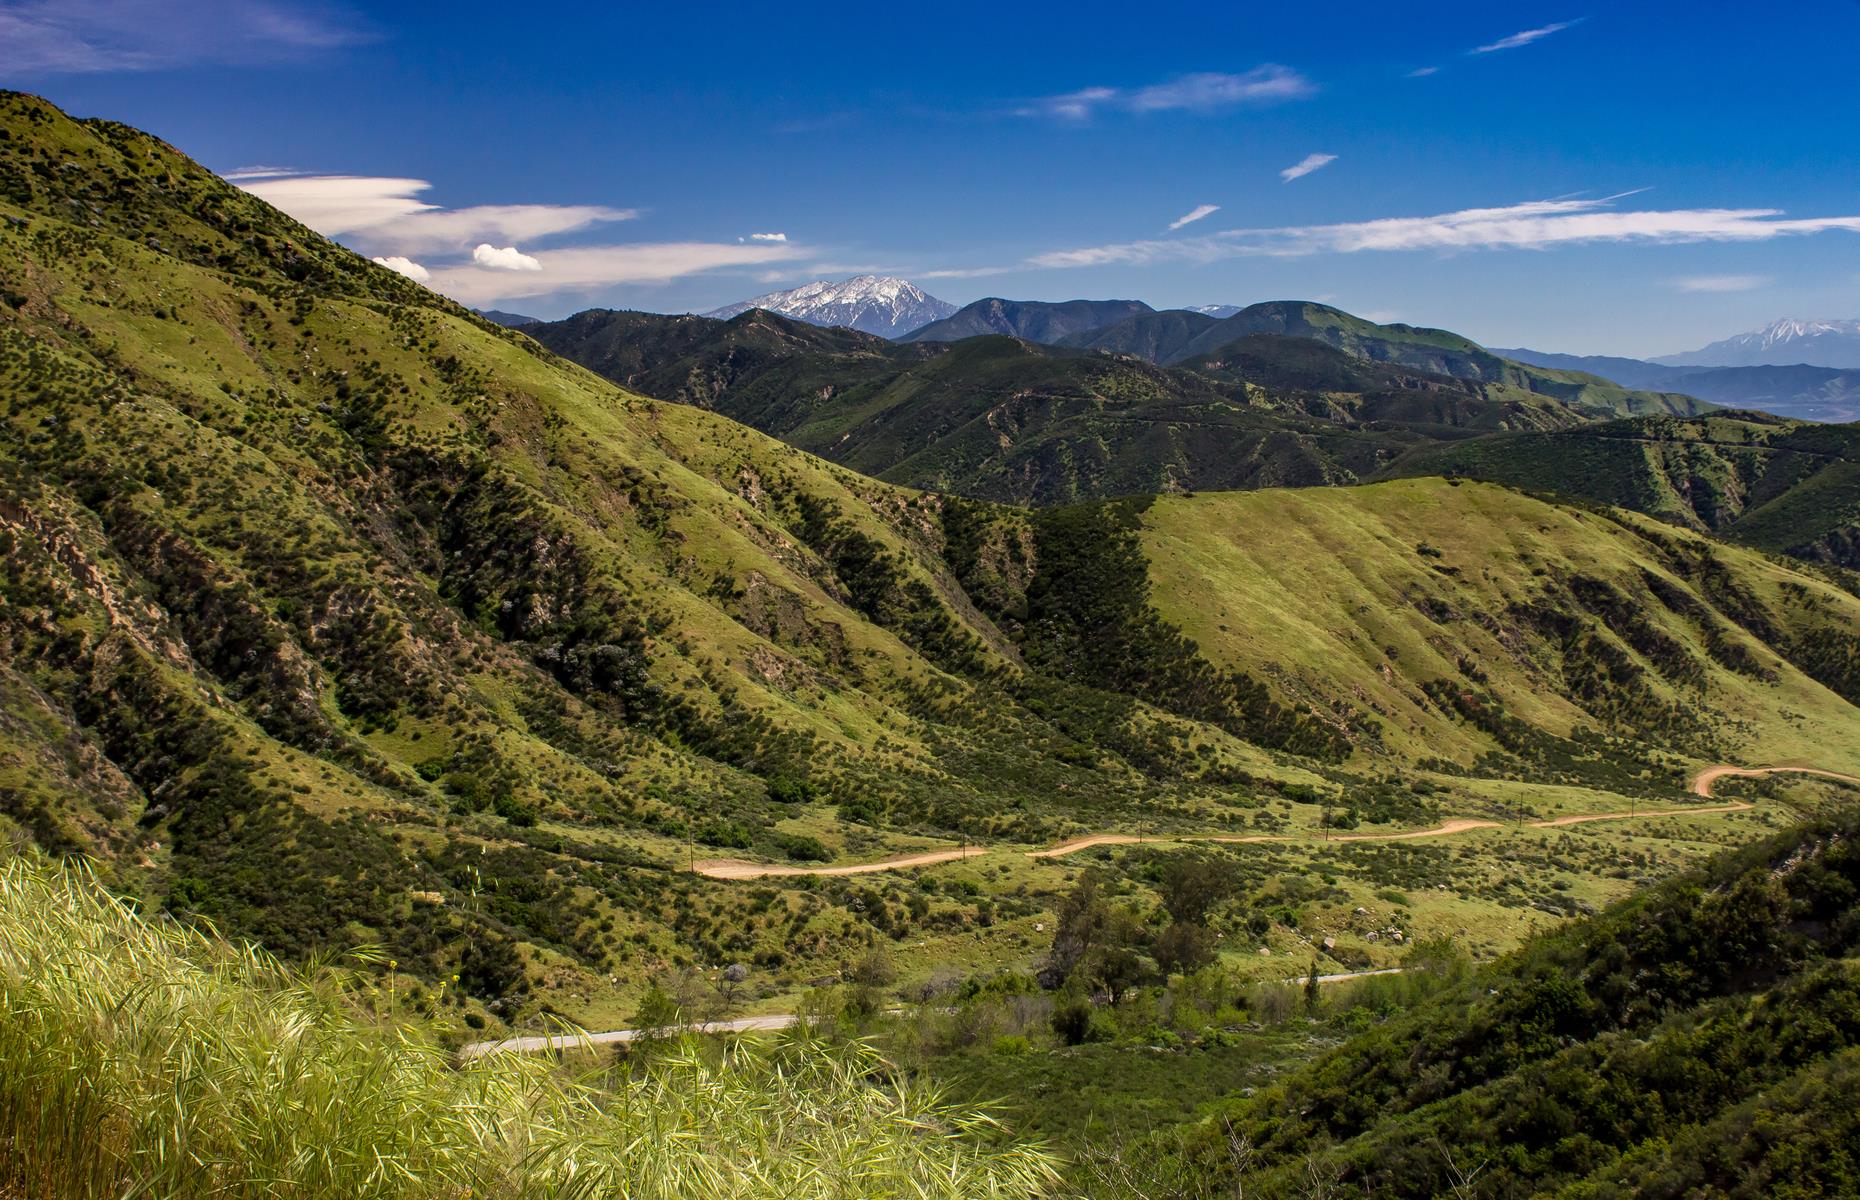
571,1041
736,868
1701,783
775,1021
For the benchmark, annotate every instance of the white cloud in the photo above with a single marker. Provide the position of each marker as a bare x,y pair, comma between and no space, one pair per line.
768,237
407,267
87,36
1205,92
1423,72
1526,37
1536,225
383,213
1194,214
1306,165
1702,284
590,268
503,258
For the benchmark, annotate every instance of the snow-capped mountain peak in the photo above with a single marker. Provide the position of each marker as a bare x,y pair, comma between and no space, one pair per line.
1791,329
878,304
1792,341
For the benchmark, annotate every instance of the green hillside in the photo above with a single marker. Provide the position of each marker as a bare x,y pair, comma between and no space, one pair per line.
1155,336
1790,487
1031,320
1699,1040
1435,351
337,615
1003,419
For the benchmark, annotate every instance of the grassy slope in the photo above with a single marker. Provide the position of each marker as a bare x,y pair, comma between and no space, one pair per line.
336,614
1781,485
1002,419
1356,597
1433,350
136,1057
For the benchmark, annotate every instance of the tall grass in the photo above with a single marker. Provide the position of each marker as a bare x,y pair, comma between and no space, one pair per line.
141,1059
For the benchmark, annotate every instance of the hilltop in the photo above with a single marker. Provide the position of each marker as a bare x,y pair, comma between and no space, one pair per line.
1790,487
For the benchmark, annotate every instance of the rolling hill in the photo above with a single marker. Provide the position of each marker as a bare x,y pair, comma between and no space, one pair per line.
337,615
1004,419
1202,346
1029,320
1789,487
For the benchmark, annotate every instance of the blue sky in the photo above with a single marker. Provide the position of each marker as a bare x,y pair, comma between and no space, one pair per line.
1618,178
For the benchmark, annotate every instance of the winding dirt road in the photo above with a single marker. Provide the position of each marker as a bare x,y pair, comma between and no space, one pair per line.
736,868
1701,783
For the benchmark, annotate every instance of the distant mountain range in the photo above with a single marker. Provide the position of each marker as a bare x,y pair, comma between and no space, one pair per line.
1284,393
876,304
509,320
1813,393
1780,344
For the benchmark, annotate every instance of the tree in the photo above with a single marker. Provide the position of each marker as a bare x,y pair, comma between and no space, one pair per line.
1083,915
725,986
1184,949
1313,989
870,976
1193,884
658,1013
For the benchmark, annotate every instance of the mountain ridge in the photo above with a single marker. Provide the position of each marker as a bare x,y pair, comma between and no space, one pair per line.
882,305
1787,342
1795,391
1044,321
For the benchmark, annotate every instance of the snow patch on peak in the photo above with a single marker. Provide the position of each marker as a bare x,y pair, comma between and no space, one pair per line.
880,304
1791,341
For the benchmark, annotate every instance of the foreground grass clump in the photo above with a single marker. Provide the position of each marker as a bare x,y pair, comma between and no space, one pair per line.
143,1059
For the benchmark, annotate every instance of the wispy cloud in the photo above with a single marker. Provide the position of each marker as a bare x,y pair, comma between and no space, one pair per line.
768,237
1204,92
381,214
582,269
471,253
503,258
1704,284
1536,225
44,37
1193,215
1526,37
1423,72
1306,165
